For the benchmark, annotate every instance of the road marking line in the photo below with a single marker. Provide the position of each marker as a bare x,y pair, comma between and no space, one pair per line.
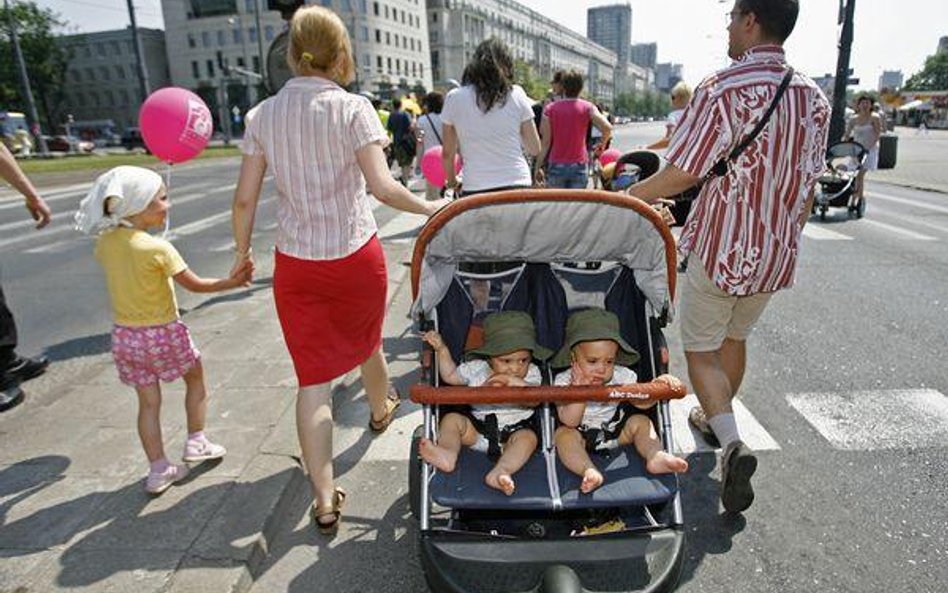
884,419
688,440
909,220
204,223
818,233
899,230
43,234
908,202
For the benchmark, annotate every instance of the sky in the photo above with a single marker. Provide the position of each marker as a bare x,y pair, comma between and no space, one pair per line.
889,35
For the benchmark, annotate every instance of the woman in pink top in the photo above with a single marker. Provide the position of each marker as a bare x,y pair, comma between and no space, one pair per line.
563,133
329,282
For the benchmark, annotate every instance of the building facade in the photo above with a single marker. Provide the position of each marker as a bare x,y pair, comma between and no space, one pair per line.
102,81
644,54
942,44
456,27
389,42
611,27
667,75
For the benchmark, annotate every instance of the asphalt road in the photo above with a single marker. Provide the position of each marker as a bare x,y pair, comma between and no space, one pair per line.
845,378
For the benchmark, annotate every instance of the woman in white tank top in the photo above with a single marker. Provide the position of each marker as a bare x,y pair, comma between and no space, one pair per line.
865,128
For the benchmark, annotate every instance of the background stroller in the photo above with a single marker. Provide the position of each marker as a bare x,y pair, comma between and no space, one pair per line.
836,186
628,534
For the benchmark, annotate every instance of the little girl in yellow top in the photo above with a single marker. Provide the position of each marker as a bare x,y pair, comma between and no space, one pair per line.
150,343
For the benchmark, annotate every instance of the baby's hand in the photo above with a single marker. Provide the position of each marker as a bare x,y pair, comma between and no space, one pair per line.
434,339
579,378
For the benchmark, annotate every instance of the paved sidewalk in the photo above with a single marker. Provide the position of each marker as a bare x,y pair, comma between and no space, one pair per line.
73,511
920,161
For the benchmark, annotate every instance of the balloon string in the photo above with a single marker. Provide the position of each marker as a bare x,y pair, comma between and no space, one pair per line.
164,233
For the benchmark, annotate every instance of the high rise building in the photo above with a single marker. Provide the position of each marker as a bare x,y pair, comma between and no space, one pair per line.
943,44
891,79
611,27
644,54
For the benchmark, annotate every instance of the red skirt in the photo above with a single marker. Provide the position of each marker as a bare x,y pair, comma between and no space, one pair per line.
331,311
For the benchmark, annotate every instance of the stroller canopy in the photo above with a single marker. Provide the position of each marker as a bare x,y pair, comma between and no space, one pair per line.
544,226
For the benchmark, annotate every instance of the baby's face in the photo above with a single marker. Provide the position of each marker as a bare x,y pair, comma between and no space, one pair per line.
596,360
515,363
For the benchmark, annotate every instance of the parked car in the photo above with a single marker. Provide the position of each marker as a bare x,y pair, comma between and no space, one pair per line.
132,138
63,143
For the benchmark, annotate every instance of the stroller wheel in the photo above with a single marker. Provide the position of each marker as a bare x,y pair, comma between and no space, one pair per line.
823,210
860,208
414,474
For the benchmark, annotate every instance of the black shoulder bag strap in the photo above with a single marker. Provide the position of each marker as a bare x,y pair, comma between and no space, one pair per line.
433,128
720,168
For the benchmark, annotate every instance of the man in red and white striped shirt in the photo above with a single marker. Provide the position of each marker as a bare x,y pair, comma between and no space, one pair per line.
742,236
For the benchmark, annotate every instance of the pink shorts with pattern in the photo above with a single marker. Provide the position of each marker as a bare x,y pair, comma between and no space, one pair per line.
145,355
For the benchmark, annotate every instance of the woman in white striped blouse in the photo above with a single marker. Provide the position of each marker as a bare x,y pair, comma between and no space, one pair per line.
322,145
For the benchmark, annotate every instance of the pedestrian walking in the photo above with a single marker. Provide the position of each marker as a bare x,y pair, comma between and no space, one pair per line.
329,281
680,95
491,119
15,369
404,143
563,131
150,342
865,128
430,131
740,242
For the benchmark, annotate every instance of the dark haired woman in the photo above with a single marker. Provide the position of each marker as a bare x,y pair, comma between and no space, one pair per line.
492,119
865,128
431,132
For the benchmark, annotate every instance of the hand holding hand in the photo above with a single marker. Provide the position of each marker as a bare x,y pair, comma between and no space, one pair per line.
433,339
39,211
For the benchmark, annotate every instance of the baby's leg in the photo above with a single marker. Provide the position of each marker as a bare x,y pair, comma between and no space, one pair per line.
195,398
453,431
149,421
639,430
571,449
520,446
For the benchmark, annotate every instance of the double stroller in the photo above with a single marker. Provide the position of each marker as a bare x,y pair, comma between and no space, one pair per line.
835,188
628,534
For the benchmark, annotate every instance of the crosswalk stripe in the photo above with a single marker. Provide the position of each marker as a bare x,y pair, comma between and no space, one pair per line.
818,233
908,202
898,230
910,220
882,419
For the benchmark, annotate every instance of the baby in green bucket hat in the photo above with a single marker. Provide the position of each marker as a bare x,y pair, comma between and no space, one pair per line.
505,360
593,347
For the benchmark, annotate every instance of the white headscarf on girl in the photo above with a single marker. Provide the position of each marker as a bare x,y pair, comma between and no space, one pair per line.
132,188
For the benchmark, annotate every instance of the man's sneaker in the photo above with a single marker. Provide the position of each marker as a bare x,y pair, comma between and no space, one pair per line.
24,369
202,450
737,466
698,420
11,394
158,482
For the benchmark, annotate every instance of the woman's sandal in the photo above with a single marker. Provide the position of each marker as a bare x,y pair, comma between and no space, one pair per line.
392,401
338,499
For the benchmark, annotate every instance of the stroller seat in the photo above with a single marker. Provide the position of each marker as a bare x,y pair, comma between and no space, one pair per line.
626,483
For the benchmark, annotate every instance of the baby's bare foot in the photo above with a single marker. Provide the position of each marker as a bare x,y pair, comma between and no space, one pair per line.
500,481
441,458
592,479
665,463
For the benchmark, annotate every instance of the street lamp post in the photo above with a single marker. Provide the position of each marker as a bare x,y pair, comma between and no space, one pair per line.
238,20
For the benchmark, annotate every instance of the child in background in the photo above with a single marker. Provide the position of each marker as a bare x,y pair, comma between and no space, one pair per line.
150,343
592,349
503,360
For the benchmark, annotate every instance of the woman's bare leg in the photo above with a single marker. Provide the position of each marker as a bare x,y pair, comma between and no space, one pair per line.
314,429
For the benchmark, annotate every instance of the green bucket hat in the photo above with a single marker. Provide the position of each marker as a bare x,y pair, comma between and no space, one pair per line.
590,325
509,331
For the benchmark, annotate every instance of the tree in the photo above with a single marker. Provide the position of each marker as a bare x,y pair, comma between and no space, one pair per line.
46,60
932,77
536,87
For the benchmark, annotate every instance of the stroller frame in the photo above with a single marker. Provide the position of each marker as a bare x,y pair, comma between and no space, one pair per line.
836,187
451,555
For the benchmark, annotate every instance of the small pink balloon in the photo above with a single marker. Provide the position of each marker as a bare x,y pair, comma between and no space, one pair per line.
609,156
432,168
176,124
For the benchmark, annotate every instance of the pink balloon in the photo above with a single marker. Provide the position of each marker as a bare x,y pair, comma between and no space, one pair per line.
432,168
176,124
609,156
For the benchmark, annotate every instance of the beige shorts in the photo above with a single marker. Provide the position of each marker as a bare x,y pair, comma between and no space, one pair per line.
708,315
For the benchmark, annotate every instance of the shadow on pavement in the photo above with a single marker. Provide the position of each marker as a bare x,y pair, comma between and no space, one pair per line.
77,347
709,530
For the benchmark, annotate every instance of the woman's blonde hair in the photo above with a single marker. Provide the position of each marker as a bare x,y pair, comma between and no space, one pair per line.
319,42
681,90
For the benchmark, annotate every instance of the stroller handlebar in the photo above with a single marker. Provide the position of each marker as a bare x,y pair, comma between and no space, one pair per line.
661,388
